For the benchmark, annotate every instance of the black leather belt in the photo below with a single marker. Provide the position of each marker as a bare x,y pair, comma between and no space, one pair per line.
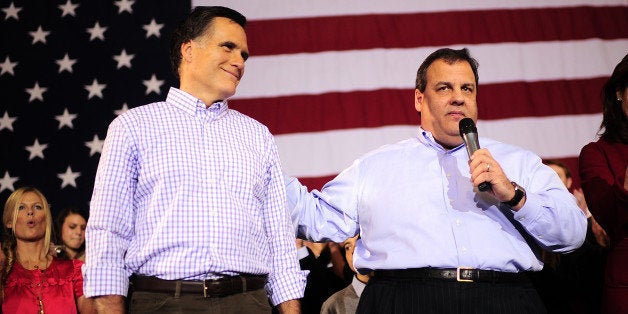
460,274
210,288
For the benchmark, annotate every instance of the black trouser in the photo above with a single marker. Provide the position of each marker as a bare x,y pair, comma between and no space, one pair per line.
396,295
152,302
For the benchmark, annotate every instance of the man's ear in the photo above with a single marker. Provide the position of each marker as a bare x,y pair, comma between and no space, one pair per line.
569,183
418,100
186,51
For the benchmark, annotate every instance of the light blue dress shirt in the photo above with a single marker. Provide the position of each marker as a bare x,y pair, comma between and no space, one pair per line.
188,192
414,206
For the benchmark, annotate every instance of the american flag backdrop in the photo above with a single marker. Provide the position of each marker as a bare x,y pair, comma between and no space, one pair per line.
68,67
331,79
335,79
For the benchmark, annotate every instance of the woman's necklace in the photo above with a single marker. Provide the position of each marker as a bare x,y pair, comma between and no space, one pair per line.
42,272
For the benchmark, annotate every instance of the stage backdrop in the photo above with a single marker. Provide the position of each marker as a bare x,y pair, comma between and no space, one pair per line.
331,79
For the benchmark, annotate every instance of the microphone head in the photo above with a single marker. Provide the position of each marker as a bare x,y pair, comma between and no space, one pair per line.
467,126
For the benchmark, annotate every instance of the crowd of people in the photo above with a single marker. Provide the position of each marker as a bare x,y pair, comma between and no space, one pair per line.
37,275
191,211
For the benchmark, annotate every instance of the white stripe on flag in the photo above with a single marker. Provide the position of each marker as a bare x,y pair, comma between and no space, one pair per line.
326,153
355,70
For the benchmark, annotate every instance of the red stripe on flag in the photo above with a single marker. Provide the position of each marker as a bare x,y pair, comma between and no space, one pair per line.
308,113
316,182
285,36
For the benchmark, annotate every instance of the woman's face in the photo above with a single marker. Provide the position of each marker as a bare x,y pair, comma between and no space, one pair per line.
30,225
73,231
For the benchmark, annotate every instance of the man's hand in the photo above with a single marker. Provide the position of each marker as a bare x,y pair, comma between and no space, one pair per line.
109,304
484,168
289,307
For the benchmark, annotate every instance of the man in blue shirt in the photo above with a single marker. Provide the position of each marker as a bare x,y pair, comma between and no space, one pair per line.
434,241
189,196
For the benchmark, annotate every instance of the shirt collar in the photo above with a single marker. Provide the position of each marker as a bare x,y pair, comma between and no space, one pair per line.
358,286
427,138
192,105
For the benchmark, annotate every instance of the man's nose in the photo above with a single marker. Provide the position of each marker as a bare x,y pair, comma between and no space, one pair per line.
457,98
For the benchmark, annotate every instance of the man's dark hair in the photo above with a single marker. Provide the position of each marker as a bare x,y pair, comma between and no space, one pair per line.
448,55
195,25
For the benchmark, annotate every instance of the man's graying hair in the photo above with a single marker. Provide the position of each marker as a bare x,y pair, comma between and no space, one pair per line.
195,25
448,55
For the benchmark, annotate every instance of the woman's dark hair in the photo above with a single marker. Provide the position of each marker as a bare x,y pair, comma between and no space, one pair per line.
614,127
61,219
196,24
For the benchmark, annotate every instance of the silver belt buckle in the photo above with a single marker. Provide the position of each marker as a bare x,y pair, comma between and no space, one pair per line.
205,288
458,269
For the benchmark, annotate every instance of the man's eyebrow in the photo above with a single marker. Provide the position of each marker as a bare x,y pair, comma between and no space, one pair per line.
228,44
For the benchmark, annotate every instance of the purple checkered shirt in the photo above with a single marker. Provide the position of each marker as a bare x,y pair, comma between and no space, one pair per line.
188,192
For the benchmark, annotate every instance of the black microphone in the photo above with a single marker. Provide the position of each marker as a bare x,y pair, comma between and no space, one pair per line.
469,134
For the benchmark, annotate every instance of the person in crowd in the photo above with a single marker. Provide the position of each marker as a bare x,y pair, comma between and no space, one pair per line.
189,195
325,264
563,172
435,242
34,280
604,175
70,228
572,283
346,300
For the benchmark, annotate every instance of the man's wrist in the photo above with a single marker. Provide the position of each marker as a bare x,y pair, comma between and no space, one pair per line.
520,193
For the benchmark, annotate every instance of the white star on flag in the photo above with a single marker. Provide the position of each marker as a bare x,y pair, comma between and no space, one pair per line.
95,145
36,92
6,183
122,110
153,29
36,150
124,60
65,119
66,63
124,5
68,178
68,8
7,66
11,12
97,32
95,90
153,85
39,35
7,122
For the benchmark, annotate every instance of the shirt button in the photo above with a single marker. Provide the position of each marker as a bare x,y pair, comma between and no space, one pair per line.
522,219
457,222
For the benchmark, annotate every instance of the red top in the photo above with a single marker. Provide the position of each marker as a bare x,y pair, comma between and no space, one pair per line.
58,286
602,171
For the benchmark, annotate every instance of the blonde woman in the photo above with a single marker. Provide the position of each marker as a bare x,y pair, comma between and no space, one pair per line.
35,281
